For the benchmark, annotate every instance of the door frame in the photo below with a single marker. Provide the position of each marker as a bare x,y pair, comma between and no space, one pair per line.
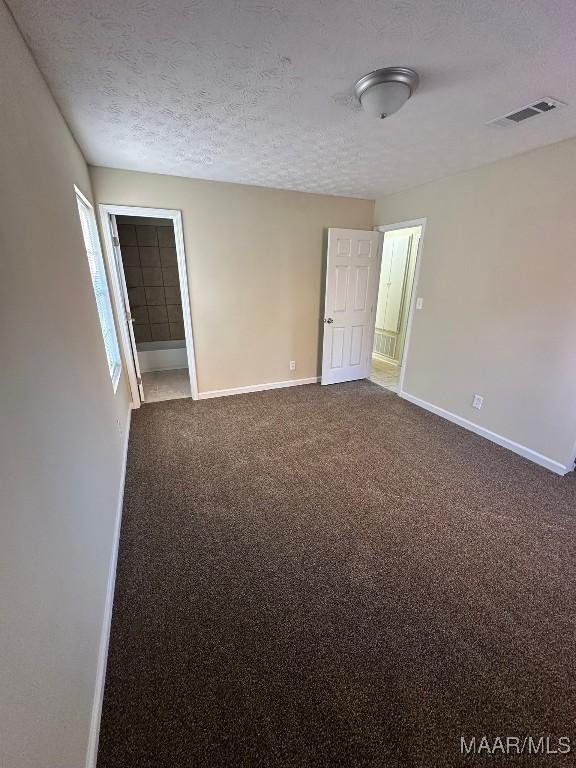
106,211
383,228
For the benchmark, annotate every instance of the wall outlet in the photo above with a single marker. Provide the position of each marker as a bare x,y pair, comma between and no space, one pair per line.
292,365
477,402
419,302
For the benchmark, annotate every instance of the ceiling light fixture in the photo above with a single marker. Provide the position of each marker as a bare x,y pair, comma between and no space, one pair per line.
384,91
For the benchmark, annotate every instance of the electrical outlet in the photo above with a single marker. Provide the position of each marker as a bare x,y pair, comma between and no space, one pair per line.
292,365
477,402
419,302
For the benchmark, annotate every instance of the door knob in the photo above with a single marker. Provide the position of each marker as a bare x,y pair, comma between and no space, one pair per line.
328,320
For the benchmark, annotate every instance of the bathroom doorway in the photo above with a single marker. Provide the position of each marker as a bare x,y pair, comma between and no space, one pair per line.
400,249
146,253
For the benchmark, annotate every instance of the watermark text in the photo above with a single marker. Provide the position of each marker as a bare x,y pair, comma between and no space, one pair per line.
472,746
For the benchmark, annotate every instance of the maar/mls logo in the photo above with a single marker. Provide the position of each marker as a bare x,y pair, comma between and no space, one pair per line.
515,745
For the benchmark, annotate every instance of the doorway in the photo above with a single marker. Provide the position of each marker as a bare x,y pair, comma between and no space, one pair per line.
146,258
400,248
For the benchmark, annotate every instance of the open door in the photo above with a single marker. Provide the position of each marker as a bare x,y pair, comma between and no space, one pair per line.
352,275
136,381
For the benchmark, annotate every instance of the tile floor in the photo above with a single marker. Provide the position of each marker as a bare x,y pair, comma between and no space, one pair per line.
166,385
385,374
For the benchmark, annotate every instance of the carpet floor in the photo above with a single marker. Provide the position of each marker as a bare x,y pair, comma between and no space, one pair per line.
331,576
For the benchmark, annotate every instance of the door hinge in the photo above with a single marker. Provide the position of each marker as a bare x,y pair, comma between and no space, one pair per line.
115,241
139,380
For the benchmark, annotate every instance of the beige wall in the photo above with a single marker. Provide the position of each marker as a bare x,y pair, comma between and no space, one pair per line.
254,261
498,279
60,440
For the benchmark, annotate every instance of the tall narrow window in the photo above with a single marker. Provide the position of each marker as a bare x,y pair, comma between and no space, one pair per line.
100,285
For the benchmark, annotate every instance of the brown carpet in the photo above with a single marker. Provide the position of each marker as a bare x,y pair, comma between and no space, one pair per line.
330,576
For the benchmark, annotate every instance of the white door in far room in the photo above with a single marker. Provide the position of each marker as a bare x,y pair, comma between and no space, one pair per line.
352,275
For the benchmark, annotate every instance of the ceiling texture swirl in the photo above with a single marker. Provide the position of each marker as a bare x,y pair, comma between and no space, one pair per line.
262,92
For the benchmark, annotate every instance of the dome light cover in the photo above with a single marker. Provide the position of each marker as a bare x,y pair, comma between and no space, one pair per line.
384,91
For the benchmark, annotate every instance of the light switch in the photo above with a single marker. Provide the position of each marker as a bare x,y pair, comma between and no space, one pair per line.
419,302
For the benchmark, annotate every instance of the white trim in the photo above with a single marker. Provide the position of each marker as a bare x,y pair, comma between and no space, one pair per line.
407,336
151,213
257,387
521,450
116,376
573,458
385,359
118,301
186,311
94,733
410,224
116,371
83,197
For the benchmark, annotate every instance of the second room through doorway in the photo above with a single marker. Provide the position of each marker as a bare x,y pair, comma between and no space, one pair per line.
150,267
399,252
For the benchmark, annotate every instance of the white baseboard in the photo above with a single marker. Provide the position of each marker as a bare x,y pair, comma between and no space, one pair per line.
92,751
521,450
385,359
257,388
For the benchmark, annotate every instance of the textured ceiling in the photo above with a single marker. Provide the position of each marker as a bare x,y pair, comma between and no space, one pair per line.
260,91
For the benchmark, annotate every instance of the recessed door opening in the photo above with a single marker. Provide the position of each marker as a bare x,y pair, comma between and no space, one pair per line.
146,252
398,268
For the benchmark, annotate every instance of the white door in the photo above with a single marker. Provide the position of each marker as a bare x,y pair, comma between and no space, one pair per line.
352,275
126,305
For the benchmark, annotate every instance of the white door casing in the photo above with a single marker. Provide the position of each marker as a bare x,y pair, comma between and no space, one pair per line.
352,277
118,296
126,304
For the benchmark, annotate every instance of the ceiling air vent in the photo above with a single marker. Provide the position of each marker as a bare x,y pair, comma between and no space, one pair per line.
530,110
